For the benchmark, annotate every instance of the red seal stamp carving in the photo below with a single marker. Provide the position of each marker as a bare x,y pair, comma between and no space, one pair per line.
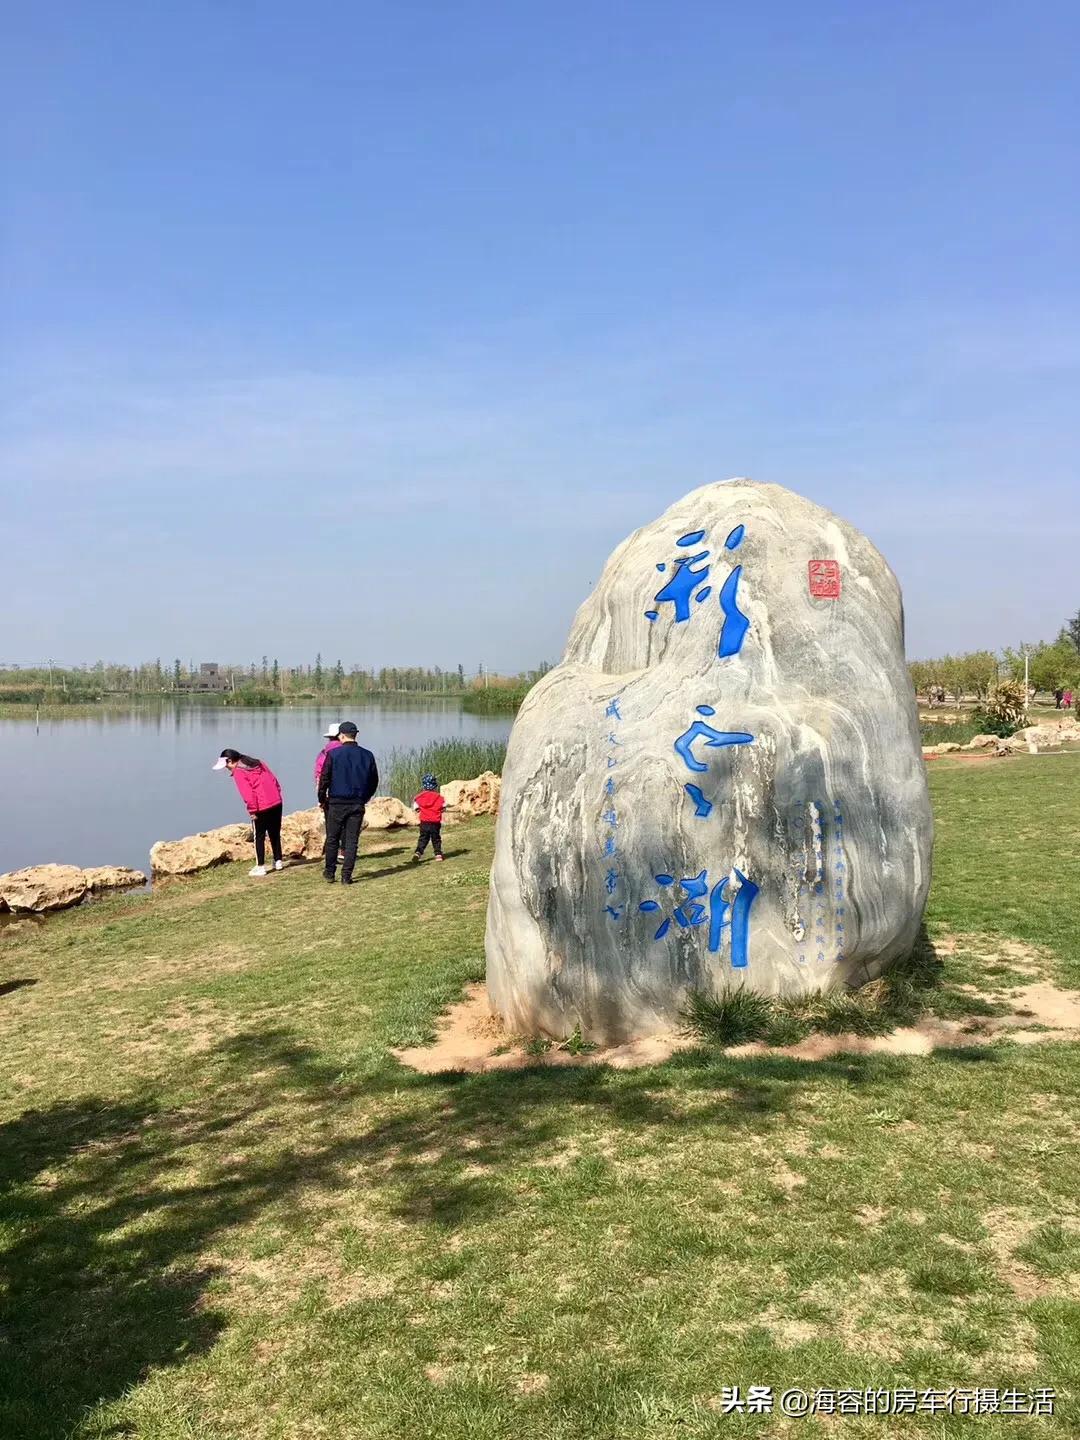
825,579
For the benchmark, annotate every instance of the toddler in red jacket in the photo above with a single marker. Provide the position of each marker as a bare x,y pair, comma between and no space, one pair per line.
429,805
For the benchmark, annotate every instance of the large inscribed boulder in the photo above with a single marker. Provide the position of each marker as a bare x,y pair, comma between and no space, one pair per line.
722,781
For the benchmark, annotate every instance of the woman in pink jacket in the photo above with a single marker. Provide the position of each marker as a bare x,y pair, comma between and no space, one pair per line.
261,793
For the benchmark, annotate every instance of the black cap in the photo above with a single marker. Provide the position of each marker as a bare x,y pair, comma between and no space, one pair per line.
346,728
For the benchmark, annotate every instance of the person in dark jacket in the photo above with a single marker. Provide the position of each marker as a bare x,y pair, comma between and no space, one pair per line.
347,781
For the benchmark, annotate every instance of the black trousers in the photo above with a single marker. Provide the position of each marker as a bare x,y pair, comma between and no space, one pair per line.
343,821
429,830
267,822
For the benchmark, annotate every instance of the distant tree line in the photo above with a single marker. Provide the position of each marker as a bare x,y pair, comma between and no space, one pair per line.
262,681
1051,665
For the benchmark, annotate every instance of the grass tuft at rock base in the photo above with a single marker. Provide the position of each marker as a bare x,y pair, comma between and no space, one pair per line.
908,989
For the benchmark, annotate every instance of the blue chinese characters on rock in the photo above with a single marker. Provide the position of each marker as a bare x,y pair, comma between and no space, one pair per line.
822,901
689,580
714,740
728,902
723,908
609,845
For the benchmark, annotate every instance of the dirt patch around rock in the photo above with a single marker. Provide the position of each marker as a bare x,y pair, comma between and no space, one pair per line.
977,757
1055,1012
470,1038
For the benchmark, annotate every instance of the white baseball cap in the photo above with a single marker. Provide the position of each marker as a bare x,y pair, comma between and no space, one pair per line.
219,764
331,731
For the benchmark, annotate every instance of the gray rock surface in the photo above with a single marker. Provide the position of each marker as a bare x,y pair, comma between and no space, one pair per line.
722,781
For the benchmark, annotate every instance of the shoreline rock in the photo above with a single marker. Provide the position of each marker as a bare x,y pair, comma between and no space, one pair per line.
39,889
1042,735
303,832
474,797
303,835
1062,730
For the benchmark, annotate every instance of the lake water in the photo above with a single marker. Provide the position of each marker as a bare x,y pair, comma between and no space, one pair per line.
101,790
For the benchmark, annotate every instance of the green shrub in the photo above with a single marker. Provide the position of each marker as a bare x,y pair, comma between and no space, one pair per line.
854,1012
732,1017
576,1044
786,1029
994,725
445,759
255,697
41,695
940,732
497,700
905,991
1005,710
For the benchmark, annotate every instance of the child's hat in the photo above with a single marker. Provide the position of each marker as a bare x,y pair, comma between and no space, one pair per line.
429,782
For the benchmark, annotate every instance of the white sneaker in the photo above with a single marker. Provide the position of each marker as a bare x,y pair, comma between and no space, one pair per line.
259,870
279,864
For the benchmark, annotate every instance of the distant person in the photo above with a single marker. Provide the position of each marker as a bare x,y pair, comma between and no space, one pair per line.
429,805
261,793
1059,695
1066,700
330,735
348,780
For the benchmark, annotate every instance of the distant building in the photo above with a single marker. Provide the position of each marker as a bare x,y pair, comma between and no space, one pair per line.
209,679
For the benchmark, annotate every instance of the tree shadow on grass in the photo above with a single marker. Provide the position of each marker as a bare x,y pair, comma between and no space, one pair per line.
401,869
430,1153
9,986
365,854
99,1285
113,1209
408,865
21,920
109,1208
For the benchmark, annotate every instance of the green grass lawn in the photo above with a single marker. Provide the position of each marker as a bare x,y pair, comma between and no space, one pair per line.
228,1214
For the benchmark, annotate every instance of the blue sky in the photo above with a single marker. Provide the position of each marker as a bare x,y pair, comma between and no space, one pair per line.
371,329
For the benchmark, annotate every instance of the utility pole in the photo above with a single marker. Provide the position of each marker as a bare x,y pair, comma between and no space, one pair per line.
1026,674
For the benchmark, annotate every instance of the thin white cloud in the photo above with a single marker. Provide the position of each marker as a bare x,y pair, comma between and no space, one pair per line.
941,438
